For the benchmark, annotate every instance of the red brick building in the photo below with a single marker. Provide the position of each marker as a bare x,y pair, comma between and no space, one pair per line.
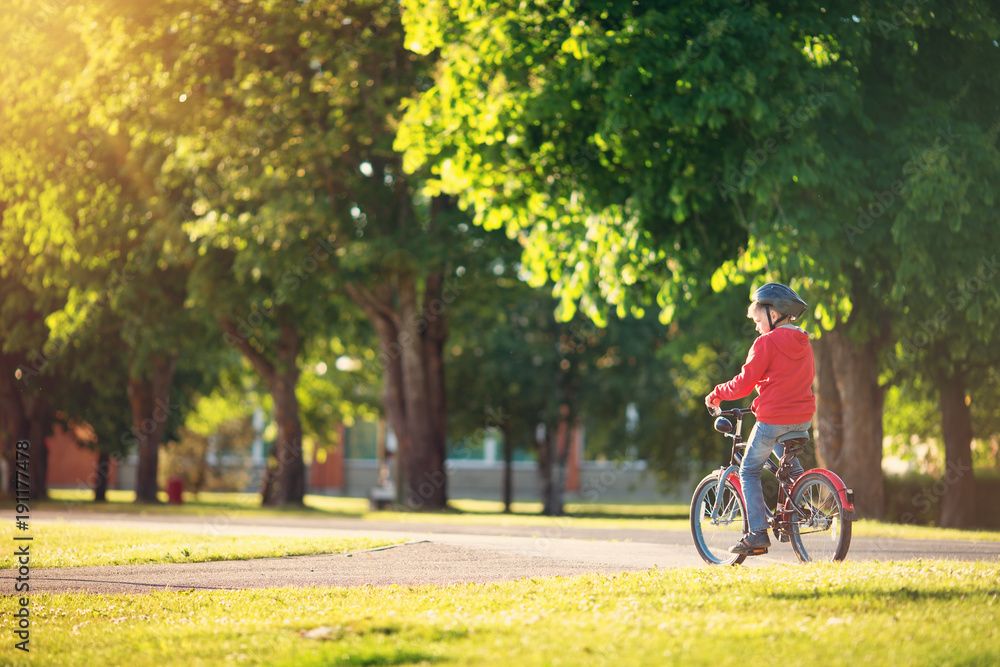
71,465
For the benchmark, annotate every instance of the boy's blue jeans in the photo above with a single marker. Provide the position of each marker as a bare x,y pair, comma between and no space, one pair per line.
763,440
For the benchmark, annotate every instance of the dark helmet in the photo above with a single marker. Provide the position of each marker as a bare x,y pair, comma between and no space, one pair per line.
781,298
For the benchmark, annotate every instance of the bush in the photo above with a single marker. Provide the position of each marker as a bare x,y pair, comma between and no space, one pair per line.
189,458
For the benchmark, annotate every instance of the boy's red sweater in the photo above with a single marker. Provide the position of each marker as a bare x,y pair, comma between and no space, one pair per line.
780,367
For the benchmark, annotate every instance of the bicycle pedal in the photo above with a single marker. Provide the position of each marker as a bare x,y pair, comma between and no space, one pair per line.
756,552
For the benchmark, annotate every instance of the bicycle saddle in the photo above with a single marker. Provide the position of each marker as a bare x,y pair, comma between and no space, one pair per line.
794,439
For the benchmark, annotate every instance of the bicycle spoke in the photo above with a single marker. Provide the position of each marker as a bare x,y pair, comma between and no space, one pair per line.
819,532
713,537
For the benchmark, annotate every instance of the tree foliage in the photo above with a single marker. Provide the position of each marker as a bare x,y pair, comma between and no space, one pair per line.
672,149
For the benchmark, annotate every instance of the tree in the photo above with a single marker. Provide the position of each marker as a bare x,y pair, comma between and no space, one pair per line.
116,247
914,166
277,157
513,367
948,293
627,173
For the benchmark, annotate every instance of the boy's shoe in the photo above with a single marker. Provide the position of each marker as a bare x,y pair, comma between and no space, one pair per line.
752,544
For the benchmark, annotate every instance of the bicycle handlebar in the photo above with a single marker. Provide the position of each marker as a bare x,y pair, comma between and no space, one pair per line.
738,413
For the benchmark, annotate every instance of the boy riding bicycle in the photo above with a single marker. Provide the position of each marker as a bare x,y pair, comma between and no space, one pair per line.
780,367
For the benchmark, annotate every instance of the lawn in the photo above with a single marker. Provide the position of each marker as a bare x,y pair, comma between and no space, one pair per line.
621,516
68,545
913,613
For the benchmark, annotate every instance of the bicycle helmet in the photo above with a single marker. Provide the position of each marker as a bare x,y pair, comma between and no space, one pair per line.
782,299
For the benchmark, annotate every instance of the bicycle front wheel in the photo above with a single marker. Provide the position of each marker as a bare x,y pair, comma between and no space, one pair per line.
713,537
820,532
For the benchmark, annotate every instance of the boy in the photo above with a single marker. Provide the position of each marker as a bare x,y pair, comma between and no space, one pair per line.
780,367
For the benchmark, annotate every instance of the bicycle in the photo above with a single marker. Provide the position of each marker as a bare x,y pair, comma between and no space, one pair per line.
814,512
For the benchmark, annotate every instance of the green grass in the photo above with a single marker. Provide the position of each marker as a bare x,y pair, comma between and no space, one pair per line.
871,528
69,545
620,516
913,613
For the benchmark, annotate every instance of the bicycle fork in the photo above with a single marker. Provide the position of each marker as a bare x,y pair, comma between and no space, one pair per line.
722,486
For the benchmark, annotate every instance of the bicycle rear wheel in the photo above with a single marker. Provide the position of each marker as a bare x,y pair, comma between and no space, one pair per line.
712,538
821,533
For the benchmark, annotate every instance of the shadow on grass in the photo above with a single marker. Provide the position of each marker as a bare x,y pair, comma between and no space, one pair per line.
897,595
371,643
339,656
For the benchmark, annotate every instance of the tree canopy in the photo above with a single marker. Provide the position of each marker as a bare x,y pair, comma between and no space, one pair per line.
659,150
192,182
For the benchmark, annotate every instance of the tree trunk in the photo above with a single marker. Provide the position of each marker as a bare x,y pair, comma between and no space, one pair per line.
38,427
434,333
379,307
411,345
101,478
287,481
856,406
12,420
24,415
548,464
508,468
958,501
424,475
150,402
542,440
562,456
284,481
828,429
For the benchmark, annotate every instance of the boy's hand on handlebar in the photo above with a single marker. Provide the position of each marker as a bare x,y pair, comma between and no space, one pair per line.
712,404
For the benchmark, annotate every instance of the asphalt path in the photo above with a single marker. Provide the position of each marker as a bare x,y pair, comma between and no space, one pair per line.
429,553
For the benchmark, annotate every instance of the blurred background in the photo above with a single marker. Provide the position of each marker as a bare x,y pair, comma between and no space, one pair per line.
436,250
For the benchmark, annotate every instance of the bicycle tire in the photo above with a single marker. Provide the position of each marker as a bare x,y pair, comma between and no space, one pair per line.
823,534
713,539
